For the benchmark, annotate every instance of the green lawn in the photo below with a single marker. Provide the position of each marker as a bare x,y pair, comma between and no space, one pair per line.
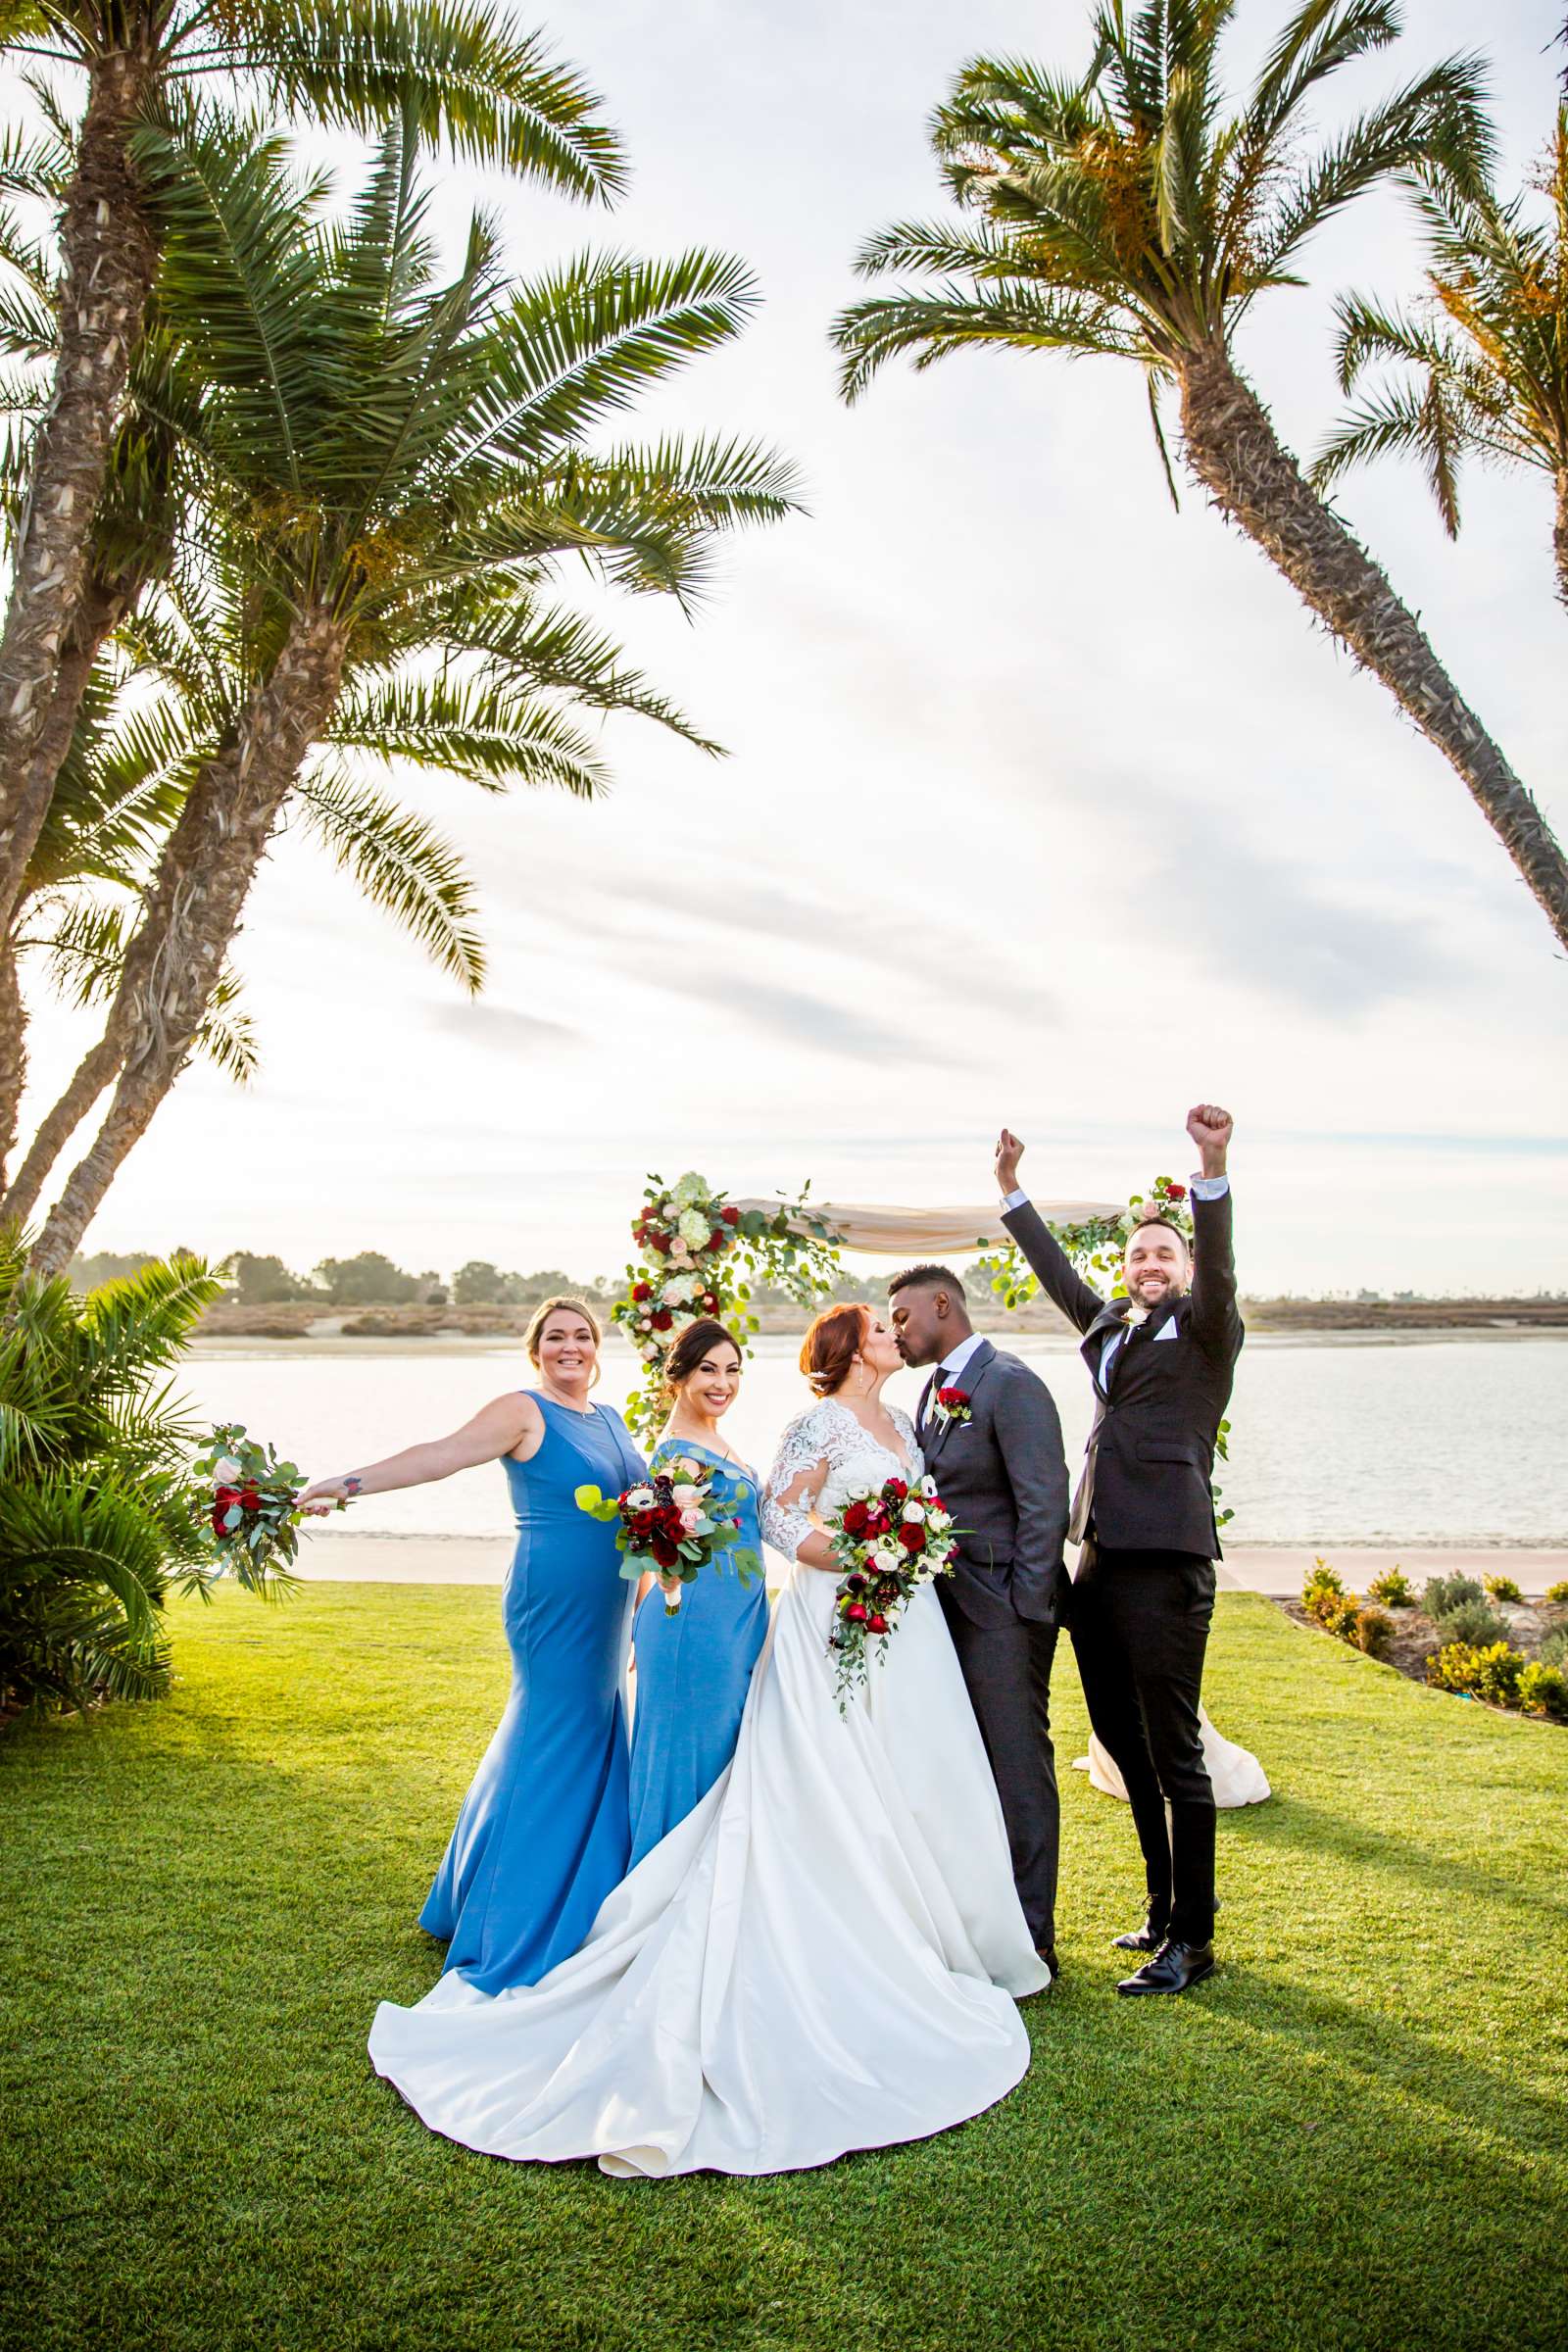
1354,2136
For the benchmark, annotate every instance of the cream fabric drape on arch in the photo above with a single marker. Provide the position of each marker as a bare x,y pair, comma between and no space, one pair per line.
914,1232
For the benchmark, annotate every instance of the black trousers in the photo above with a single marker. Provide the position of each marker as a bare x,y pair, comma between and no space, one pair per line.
1006,1670
1139,1628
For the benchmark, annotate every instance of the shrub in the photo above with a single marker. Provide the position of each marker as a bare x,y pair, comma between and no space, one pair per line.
1491,1671
1322,1592
95,1518
1503,1587
1475,1622
1554,1648
1557,1594
1371,1629
1445,1592
1393,1589
1544,1691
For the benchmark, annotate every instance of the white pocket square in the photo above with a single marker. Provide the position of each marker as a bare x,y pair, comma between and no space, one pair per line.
1167,1331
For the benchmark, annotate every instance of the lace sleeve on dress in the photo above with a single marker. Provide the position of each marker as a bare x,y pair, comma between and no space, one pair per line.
794,1479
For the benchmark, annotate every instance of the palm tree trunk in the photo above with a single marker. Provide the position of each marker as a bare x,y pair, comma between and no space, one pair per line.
99,613
98,1066
108,257
194,907
1234,453
1560,533
13,1052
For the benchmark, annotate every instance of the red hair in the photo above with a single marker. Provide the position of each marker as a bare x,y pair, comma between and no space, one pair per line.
831,1345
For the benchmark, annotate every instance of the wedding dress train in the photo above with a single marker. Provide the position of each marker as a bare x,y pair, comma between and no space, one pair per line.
824,1955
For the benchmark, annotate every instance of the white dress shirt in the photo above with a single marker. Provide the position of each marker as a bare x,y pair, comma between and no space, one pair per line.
1202,1188
945,1375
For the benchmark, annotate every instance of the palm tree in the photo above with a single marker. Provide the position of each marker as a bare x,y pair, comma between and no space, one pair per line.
1484,371
116,800
456,69
1129,215
392,468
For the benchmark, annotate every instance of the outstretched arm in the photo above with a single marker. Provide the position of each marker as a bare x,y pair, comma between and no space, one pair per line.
506,1425
1215,1323
1048,1263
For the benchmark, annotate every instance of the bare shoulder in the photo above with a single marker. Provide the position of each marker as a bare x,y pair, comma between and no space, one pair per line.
517,1420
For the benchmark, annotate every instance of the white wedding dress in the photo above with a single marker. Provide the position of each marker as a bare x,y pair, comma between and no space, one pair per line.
825,1955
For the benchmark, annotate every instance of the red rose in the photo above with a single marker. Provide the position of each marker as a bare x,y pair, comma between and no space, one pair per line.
641,1290
731,1216
227,1494
953,1397
896,1491
1178,1192
709,1304
664,1553
856,1613
660,1242
877,1623
716,1241
855,1519
912,1537
249,1499
662,1318
218,1529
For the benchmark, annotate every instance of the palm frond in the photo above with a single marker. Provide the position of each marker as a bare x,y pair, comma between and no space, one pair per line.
403,865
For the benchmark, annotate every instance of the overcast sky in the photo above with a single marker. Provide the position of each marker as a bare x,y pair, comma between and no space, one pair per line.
1044,803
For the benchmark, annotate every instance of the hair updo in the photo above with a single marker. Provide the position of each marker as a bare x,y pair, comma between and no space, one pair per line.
831,1345
562,1307
689,1351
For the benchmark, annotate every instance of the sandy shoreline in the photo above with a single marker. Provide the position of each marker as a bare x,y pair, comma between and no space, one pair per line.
1273,1568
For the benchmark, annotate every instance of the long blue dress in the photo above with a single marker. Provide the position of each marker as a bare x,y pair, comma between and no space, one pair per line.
694,1670
544,1831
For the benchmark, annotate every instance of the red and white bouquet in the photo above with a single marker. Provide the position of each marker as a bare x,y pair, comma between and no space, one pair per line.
246,1497
889,1540
673,1522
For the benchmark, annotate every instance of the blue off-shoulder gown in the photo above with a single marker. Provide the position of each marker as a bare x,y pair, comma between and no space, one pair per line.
694,1670
544,1831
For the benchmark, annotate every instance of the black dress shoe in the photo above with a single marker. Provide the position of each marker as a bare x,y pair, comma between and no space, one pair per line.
1047,1954
1147,1939
1174,1968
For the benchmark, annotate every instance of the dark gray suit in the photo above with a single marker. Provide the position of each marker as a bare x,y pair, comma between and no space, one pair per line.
1002,1474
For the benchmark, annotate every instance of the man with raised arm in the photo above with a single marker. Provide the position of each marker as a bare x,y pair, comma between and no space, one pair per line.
1162,1360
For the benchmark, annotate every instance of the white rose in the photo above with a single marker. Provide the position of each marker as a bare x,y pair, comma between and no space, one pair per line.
887,1560
938,1520
651,1351
679,1288
693,1228
689,1518
678,1248
686,1497
225,1473
913,1513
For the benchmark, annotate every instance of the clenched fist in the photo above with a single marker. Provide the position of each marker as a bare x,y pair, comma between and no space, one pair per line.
1210,1130
1010,1151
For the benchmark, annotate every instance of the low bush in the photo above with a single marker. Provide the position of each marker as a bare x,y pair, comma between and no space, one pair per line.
1371,1629
1323,1596
1557,1596
1554,1648
1503,1587
1445,1592
1474,1621
1544,1691
1489,1671
1393,1589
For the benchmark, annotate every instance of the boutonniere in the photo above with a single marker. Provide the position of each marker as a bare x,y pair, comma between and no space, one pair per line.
951,1405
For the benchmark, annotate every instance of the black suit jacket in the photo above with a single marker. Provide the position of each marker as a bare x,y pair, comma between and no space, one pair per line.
1002,1474
1153,1440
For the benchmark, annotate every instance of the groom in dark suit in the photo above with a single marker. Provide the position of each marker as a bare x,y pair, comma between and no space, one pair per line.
1163,1360
988,1432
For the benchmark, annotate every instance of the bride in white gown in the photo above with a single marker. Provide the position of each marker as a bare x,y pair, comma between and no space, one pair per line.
826,1954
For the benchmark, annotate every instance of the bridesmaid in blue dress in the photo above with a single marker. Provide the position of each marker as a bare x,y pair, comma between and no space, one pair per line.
693,1669
543,1833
